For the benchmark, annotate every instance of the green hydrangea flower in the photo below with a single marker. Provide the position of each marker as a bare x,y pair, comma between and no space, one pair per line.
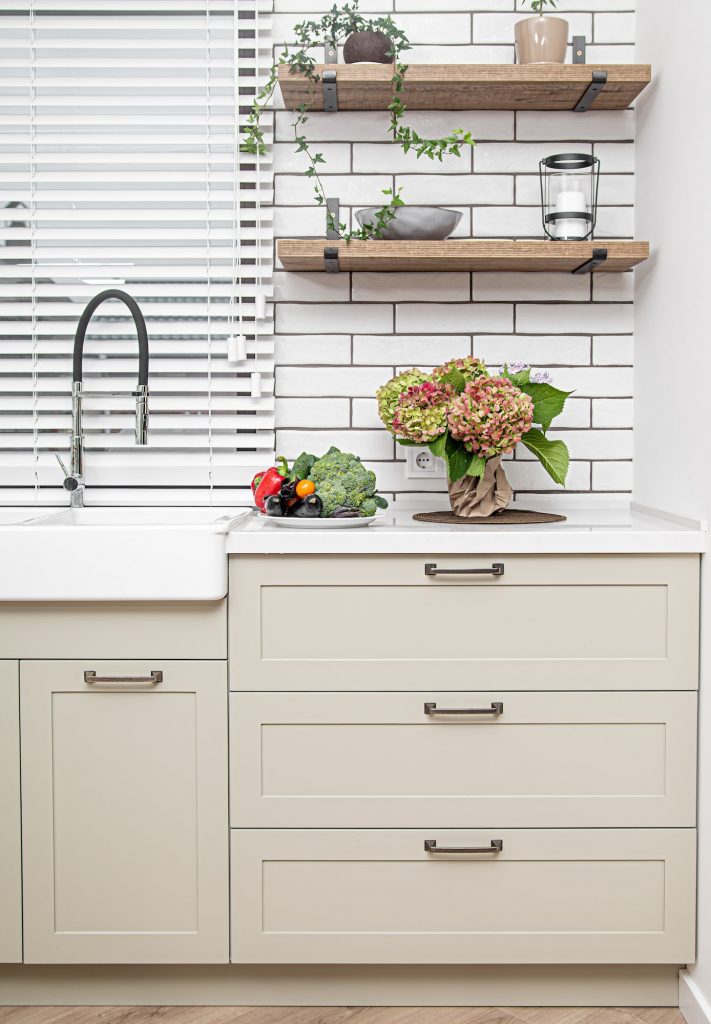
389,394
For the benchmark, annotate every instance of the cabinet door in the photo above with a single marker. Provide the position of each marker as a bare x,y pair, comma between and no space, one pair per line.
544,896
10,878
125,832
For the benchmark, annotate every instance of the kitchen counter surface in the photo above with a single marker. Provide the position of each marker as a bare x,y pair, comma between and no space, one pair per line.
586,531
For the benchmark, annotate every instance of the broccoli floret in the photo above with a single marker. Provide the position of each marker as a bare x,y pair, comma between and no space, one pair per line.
341,479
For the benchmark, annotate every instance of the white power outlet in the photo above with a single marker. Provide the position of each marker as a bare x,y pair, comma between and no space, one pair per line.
421,462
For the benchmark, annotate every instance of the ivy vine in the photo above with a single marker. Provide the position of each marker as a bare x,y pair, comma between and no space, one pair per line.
335,25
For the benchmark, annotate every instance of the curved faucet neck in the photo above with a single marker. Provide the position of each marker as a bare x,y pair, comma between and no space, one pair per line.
134,309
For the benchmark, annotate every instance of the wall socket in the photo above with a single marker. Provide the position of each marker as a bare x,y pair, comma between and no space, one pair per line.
422,463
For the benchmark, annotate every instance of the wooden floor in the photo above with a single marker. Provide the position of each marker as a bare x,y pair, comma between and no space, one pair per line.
334,1015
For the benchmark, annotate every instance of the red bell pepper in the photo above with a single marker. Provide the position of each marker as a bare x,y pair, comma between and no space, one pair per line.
269,482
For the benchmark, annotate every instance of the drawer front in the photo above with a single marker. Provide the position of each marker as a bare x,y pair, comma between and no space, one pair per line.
548,623
391,760
375,896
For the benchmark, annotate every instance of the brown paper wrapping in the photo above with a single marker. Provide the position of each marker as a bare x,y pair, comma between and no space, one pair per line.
481,496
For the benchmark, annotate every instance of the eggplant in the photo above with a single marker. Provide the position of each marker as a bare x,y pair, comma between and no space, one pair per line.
309,507
274,506
288,491
345,512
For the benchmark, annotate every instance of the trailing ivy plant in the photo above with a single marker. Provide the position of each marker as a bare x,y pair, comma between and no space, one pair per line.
337,24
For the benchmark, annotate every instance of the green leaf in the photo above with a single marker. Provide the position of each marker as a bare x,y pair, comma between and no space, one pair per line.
553,455
458,460
476,466
380,501
438,446
520,378
303,466
548,402
406,443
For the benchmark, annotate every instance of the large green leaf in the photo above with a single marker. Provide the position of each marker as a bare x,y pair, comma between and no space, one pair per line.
458,459
553,455
439,446
519,379
476,466
548,402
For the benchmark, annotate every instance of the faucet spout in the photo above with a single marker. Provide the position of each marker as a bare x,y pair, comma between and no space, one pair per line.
75,480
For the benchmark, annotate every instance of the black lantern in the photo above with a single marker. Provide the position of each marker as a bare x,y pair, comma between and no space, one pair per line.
569,184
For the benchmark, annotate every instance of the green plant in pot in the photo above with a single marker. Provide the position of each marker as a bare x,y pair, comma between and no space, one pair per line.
471,418
541,39
377,39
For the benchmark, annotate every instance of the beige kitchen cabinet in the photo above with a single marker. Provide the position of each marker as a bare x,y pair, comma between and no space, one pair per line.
547,896
124,811
549,622
10,871
517,760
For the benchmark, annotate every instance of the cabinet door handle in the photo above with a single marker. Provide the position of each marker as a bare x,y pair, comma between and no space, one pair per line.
496,846
497,708
155,677
497,569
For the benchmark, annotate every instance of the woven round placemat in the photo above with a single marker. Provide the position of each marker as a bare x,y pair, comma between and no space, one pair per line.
507,517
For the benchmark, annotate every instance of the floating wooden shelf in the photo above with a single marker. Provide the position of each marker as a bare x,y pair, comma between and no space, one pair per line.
459,254
471,86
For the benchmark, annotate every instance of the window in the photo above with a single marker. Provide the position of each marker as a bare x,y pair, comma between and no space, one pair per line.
120,167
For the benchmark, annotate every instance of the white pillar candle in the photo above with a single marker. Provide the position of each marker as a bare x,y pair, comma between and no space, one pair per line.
571,202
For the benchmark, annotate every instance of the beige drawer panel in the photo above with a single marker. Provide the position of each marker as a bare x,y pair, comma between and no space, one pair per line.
550,622
374,760
107,629
10,870
551,896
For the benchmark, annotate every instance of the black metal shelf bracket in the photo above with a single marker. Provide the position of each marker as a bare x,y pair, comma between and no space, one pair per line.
330,260
330,91
597,84
598,256
330,52
578,49
333,216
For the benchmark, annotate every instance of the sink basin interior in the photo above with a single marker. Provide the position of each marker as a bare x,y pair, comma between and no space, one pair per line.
141,517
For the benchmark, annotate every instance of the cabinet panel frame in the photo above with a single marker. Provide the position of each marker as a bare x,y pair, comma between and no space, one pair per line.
10,838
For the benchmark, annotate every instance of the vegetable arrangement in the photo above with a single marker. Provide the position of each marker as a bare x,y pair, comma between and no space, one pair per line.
335,486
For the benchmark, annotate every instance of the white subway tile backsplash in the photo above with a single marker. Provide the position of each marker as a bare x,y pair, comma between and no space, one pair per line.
612,412
551,125
537,351
609,350
374,158
610,54
353,317
454,318
613,28
327,381
415,350
369,444
540,287
339,337
312,349
312,412
612,476
451,287
594,318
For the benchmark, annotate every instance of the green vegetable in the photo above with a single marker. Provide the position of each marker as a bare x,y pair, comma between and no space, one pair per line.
341,479
302,466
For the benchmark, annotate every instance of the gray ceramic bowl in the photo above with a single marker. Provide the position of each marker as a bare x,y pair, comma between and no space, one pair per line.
421,223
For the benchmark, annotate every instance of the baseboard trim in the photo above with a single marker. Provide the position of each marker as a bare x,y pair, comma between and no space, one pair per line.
694,1006
480,985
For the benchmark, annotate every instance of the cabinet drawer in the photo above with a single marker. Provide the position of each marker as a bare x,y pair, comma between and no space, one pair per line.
10,871
550,896
548,623
374,760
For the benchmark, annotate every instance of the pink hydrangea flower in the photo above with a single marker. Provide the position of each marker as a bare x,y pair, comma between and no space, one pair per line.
490,416
421,412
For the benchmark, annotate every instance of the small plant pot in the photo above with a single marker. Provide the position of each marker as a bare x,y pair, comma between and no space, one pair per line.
541,40
478,497
367,48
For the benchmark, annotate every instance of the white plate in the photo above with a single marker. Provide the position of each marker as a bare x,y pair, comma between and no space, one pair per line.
294,523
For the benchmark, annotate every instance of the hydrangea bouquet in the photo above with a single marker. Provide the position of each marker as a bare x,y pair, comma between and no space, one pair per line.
471,418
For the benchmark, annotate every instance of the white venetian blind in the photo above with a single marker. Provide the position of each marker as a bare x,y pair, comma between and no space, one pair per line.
120,167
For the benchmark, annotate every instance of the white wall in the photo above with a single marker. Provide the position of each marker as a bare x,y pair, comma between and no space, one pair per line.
673,350
339,337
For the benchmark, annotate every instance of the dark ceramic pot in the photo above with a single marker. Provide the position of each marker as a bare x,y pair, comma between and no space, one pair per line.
367,46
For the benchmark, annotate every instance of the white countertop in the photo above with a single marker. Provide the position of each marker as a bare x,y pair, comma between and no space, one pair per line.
588,530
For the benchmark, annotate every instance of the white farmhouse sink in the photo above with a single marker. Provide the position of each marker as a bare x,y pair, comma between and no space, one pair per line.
117,554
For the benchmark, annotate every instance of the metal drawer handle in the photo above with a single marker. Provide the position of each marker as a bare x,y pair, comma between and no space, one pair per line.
496,846
497,708
151,680
497,569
